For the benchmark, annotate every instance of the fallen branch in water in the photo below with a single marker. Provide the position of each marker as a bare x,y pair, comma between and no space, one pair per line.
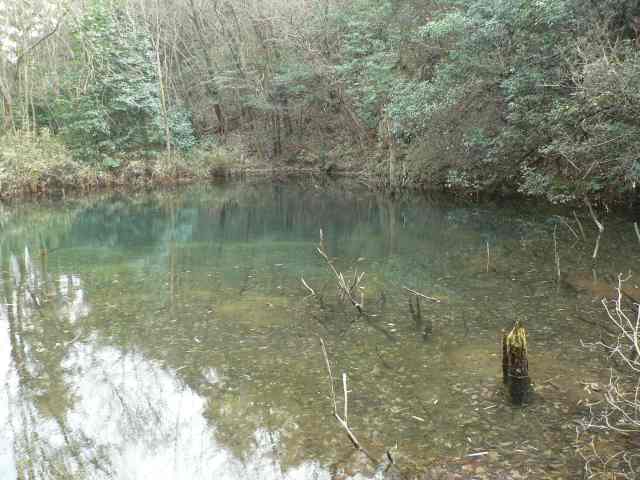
341,421
584,237
555,250
488,256
306,285
346,291
617,411
566,224
593,215
598,224
432,299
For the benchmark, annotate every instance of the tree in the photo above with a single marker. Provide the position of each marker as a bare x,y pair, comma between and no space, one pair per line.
111,95
24,28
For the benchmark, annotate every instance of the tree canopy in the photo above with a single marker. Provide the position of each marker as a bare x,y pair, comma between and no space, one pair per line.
539,97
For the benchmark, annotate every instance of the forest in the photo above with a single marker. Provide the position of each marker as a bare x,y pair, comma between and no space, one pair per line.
537,97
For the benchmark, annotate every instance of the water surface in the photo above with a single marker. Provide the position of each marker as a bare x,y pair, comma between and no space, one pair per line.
168,335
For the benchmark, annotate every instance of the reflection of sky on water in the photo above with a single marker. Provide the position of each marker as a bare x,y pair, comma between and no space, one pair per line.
75,306
130,420
152,426
7,384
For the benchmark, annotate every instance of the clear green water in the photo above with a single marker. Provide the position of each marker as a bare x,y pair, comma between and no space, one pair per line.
168,335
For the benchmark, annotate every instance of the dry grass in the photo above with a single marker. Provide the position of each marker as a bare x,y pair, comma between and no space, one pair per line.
39,163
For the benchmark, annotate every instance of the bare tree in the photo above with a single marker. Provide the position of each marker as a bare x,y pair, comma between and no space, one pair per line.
618,412
25,28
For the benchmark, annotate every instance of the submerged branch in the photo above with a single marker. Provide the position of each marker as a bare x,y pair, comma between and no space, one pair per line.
346,290
342,421
555,250
432,299
306,285
593,216
599,224
566,224
584,237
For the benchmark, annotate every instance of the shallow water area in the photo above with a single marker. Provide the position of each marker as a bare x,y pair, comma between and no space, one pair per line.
169,335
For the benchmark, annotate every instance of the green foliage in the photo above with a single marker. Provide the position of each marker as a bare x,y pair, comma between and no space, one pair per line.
560,79
181,129
298,77
111,101
538,96
458,180
369,55
535,183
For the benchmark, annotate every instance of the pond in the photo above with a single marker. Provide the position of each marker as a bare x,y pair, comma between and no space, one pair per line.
169,334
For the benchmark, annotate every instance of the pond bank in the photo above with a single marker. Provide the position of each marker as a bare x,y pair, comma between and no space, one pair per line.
40,164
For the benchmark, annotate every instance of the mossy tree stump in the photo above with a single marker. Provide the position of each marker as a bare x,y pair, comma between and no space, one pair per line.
515,364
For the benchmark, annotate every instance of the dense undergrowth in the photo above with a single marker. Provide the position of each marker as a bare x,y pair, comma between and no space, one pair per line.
36,163
537,97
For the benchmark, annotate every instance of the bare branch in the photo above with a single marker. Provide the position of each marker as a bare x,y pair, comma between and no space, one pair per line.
41,40
433,299
593,215
306,285
345,290
619,411
584,237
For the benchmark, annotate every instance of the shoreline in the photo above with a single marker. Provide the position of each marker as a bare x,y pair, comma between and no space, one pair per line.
132,177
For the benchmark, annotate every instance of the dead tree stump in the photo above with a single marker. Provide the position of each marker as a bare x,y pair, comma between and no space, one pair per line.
515,364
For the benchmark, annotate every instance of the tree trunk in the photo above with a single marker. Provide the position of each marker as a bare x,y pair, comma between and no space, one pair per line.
212,89
515,363
7,107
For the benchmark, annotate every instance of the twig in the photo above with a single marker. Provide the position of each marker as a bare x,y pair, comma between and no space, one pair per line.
479,454
33,296
555,250
637,230
322,240
342,284
597,246
593,215
346,398
433,299
598,224
567,225
584,237
618,411
313,292
341,421
488,256
326,359
41,40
